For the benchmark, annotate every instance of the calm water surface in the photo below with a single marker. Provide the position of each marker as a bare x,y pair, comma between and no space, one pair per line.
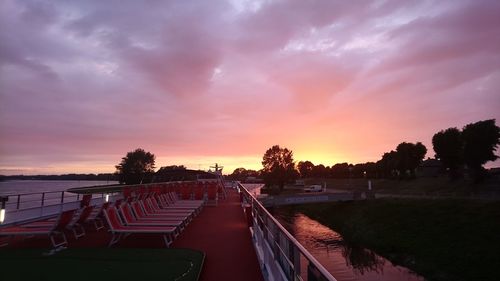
30,186
344,261
38,186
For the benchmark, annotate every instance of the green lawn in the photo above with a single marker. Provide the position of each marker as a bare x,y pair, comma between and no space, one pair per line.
439,239
419,186
101,264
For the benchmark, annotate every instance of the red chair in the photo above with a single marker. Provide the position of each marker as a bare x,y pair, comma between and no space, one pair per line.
57,228
212,193
140,211
77,225
97,215
118,229
186,192
85,200
199,191
130,219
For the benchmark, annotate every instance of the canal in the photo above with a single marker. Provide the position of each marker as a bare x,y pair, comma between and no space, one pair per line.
346,262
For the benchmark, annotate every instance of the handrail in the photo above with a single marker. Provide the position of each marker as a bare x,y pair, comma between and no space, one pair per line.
42,199
34,193
292,239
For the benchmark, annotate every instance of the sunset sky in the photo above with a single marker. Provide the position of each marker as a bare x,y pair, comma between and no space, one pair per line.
198,82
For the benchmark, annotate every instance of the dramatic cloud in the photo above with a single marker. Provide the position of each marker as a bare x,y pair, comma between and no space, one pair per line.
197,82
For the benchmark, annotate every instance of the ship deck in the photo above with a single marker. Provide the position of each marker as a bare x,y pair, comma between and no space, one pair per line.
220,232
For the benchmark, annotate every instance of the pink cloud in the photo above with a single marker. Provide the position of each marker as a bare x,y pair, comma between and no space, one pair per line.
82,83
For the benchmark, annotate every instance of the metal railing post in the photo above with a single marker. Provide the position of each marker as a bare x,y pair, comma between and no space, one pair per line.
295,258
286,249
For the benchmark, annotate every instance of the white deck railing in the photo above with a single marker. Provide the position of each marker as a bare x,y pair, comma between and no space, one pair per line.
281,256
24,207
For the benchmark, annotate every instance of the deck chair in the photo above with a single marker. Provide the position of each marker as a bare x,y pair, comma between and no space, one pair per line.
129,219
153,202
97,215
173,199
151,210
4,241
170,199
56,229
118,229
165,205
85,200
139,212
76,225
128,192
212,194
186,191
199,191
222,189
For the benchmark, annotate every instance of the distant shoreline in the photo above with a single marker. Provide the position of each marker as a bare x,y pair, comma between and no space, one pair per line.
77,177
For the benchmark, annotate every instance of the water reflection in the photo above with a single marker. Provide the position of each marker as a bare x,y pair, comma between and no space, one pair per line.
362,260
346,261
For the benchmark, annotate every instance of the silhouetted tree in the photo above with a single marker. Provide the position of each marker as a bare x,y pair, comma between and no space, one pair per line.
340,170
241,174
409,156
305,168
449,148
319,171
387,166
279,167
368,170
136,167
172,168
480,142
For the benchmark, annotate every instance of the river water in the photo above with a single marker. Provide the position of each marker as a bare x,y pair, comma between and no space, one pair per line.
31,186
346,262
53,187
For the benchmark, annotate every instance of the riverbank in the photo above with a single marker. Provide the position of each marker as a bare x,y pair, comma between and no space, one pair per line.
442,240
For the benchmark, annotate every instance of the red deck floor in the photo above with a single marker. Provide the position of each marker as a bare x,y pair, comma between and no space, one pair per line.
221,232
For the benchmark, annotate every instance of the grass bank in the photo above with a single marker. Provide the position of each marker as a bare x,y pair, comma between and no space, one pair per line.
101,264
439,239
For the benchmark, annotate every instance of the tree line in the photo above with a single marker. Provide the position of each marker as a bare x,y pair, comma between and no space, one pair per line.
469,148
457,150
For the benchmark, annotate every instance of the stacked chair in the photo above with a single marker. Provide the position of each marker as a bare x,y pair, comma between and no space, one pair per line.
161,208
152,209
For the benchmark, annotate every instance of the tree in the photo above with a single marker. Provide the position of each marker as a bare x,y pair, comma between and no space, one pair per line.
278,167
449,148
136,167
241,174
305,168
172,168
409,156
319,171
364,170
480,142
387,166
340,170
